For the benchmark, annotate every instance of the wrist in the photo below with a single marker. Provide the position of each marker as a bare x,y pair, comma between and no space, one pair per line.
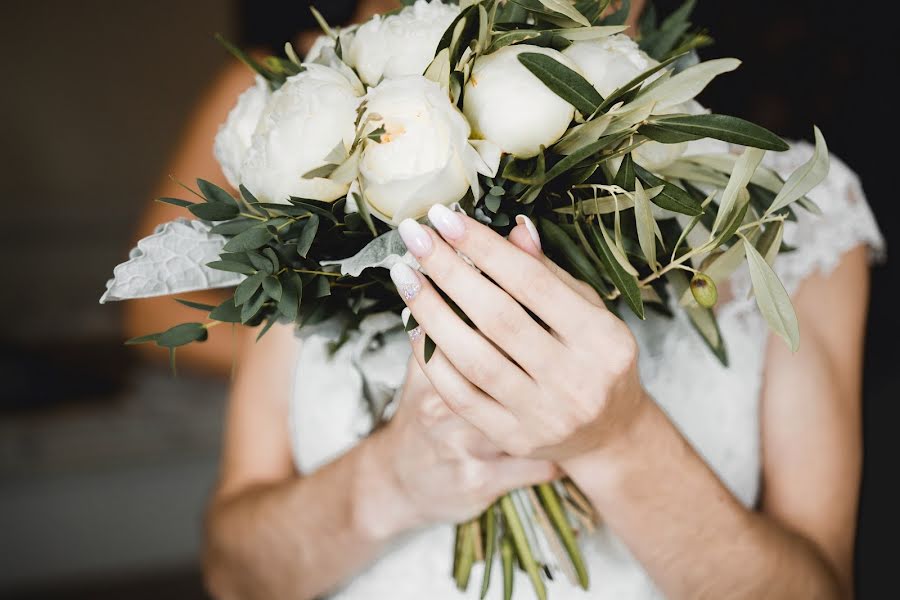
381,509
603,470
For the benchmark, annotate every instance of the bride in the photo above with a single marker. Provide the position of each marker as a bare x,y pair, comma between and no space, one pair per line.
711,481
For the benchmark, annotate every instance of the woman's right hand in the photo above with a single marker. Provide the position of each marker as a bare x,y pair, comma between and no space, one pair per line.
443,469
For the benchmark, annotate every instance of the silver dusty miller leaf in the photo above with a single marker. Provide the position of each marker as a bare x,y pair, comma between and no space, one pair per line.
384,251
171,261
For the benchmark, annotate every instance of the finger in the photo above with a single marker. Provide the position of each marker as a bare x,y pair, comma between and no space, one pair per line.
521,275
465,400
493,311
509,473
470,353
525,236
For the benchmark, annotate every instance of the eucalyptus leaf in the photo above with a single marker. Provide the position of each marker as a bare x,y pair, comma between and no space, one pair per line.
181,335
251,239
307,235
248,287
215,194
231,267
214,211
771,297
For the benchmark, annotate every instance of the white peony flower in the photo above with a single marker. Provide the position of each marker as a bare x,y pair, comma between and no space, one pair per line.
235,134
321,43
610,62
305,120
509,106
400,44
424,156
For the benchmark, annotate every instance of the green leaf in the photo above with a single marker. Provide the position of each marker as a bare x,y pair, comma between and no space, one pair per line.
564,7
248,197
563,81
215,194
772,299
313,209
744,168
635,83
248,287
808,176
251,239
226,312
233,227
559,242
625,282
671,197
307,235
687,84
625,177
320,287
214,212
199,306
720,127
231,267
261,263
144,339
251,308
734,221
291,295
272,287
176,202
769,242
428,348
183,334
646,225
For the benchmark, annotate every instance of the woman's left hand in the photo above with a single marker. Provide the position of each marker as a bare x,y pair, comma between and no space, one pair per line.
556,394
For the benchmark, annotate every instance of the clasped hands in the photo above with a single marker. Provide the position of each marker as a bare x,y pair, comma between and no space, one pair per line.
543,396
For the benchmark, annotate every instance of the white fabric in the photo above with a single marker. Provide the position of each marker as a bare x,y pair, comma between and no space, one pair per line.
716,408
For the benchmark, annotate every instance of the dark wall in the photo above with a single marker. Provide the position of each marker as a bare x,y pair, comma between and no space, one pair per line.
831,63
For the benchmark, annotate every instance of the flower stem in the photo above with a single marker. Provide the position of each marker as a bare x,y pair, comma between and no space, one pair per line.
514,524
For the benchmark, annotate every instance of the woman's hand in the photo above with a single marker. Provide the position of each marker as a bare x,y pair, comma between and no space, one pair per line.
556,394
445,470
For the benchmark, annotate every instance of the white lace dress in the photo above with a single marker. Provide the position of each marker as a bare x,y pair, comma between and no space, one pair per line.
715,407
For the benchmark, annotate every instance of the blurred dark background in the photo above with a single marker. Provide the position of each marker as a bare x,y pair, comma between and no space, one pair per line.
105,463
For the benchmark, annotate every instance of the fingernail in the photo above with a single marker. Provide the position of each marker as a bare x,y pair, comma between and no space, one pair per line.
406,280
447,222
415,237
532,230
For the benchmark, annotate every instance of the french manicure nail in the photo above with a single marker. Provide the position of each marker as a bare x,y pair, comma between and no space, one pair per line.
415,237
406,280
532,230
447,222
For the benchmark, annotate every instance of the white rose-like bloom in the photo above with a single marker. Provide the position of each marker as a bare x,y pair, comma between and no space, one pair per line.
235,134
509,106
309,115
610,62
397,45
424,156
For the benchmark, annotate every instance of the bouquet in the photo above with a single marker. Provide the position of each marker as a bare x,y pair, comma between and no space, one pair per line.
497,108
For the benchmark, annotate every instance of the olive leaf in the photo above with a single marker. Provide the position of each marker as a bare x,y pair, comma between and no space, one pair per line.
688,84
740,177
669,130
804,179
772,299
563,81
565,8
646,226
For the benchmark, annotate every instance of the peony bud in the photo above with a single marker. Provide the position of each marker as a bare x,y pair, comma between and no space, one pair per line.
509,106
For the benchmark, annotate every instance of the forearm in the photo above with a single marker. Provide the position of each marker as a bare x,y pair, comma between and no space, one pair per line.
690,533
303,537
